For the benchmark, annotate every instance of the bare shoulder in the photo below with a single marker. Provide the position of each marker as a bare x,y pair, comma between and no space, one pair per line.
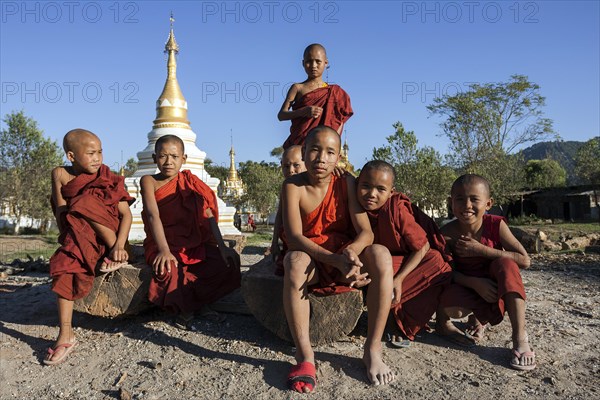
148,181
62,175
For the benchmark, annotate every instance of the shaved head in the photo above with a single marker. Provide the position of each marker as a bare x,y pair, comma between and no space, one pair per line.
379,165
320,129
314,46
290,151
471,179
169,139
74,137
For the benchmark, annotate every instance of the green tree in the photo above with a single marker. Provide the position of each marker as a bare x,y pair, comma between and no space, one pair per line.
216,171
262,181
487,123
26,161
420,173
587,161
130,167
277,152
546,173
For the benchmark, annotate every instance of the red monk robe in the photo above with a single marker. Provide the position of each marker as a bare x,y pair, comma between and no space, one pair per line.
330,226
504,271
202,276
399,225
336,111
97,197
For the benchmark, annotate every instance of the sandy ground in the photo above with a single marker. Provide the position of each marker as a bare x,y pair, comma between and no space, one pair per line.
147,358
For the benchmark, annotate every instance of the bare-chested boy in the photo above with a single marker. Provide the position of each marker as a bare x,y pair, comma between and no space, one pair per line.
91,207
191,264
313,102
291,164
487,258
329,240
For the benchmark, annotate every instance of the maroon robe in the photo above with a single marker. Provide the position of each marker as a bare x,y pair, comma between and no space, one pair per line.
92,197
395,226
504,271
202,275
336,110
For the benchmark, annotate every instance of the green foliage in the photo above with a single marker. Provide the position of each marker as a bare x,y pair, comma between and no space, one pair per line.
420,173
216,171
547,173
564,152
587,161
486,123
130,167
262,181
277,152
26,162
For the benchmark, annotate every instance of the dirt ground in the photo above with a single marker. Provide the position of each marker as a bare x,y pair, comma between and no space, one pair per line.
145,357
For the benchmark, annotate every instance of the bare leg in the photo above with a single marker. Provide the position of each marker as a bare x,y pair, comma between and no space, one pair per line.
515,306
105,234
443,323
299,273
378,263
65,333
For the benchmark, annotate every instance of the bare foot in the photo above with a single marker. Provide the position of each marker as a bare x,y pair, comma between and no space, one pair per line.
449,331
475,328
377,371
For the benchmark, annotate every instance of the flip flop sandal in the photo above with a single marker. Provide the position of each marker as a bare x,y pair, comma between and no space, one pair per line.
397,344
105,269
521,355
69,347
303,375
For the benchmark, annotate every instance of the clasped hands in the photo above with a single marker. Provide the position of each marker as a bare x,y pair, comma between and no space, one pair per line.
349,265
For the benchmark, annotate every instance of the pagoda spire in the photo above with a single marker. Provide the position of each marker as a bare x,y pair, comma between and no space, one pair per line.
171,106
232,171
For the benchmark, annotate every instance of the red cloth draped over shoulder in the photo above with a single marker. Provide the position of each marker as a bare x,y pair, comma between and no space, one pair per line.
330,226
202,276
504,271
336,110
92,197
403,228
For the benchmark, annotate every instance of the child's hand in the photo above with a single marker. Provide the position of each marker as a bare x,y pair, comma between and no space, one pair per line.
312,111
487,289
163,263
467,247
118,254
397,292
339,171
350,267
230,256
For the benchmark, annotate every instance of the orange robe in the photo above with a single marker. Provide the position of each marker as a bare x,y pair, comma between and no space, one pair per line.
93,197
330,226
403,228
336,110
202,275
504,271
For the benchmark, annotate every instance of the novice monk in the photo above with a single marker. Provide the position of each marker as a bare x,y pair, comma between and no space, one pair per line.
329,239
314,102
486,270
191,264
417,247
291,164
91,207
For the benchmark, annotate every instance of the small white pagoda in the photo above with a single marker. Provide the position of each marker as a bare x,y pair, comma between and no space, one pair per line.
171,119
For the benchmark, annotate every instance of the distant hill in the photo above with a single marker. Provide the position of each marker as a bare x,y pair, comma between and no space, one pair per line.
563,152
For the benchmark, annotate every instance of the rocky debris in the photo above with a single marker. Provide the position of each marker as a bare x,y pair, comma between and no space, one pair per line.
581,242
531,242
263,291
19,266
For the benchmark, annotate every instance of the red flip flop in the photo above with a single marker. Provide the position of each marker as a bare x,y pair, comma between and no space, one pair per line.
303,375
104,268
69,347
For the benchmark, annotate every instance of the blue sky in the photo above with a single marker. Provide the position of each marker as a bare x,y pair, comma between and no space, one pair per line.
99,65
